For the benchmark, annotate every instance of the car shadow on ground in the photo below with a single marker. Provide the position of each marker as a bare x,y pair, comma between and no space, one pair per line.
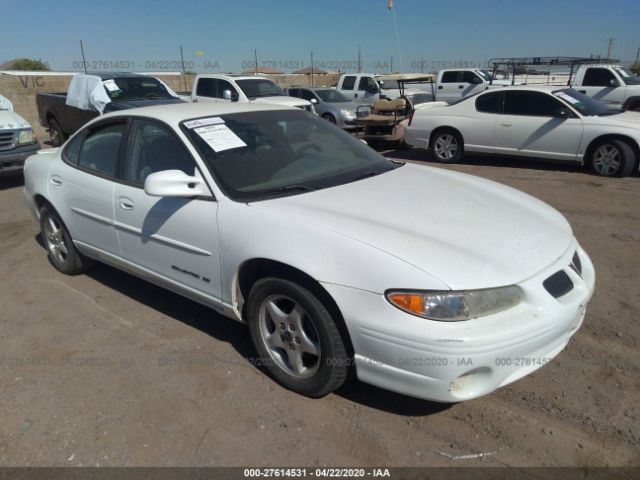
224,329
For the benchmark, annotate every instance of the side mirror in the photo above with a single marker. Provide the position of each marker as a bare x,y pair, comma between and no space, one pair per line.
614,83
175,183
562,113
229,95
314,101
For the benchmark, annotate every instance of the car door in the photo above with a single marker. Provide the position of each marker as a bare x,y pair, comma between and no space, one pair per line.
213,90
368,90
471,84
601,84
348,86
479,129
450,87
176,239
82,185
530,126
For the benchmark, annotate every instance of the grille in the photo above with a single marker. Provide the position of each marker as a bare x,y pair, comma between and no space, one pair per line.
6,140
558,284
576,264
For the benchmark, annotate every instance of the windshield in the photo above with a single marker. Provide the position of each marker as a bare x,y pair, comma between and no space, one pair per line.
135,88
331,96
628,78
255,88
485,75
259,155
587,106
389,84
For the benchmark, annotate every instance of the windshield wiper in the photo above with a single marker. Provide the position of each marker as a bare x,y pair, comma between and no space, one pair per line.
286,189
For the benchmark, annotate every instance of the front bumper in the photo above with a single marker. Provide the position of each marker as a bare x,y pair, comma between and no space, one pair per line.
455,361
12,161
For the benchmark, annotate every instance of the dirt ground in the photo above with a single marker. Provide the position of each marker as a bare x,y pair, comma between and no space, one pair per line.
105,369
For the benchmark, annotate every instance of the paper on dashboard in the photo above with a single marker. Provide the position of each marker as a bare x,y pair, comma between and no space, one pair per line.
220,137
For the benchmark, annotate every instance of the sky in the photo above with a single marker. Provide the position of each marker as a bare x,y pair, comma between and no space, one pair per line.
216,35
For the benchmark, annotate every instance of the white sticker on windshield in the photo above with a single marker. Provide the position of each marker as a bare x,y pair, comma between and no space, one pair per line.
201,122
220,137
568,98
111,86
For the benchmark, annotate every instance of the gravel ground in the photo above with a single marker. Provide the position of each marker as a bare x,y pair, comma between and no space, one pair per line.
105,369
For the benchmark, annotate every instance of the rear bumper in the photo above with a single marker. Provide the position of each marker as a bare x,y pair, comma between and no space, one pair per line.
12,161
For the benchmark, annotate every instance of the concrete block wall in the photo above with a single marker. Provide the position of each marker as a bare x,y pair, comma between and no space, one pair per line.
22,89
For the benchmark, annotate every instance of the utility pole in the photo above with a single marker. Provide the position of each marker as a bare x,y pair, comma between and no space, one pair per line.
184,72
84,62
391,71
638,55
311,73
255,56
359,60
610,48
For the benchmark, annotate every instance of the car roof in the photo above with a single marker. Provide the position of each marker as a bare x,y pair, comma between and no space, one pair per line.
531,88
173,114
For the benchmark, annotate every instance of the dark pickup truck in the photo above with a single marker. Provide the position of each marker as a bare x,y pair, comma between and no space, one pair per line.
121,91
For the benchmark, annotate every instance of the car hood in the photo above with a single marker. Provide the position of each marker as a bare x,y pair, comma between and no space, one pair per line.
338,106
283,100
10,120
628,118
466,231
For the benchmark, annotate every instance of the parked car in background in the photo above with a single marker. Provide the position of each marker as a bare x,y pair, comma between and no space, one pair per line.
276,218
542,122
92,95
243,89
330,105
612,84
17,140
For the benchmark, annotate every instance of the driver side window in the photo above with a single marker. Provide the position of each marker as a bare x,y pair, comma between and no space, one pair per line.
154,148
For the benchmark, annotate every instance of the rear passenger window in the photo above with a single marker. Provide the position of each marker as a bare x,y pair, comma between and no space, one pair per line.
450,77
489,102
348,83
99,151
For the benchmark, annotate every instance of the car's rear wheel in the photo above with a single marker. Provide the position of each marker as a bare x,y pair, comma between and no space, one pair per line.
60,248
613,158
329,118
56,136
296,338
447,146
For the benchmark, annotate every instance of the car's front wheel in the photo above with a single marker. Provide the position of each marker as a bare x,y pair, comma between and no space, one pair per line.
296,337
60,248
613,158
447,146
329,118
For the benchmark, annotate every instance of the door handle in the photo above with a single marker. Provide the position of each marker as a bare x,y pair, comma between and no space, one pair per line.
440,87
506,124
583,91
126,203
56,180
355,95
461,86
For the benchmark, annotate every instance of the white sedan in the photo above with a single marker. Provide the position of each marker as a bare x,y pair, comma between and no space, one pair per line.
431,283
539,122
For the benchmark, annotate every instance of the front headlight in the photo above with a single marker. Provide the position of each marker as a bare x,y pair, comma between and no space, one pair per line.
348,113
26,136
455,306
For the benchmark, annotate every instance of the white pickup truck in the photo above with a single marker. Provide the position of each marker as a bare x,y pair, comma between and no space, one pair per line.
243,89
450,86
612,84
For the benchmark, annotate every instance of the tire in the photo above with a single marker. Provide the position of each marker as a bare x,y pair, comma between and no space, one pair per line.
329,118
612,158
297,340
634,107
61,251
56,135
447,146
